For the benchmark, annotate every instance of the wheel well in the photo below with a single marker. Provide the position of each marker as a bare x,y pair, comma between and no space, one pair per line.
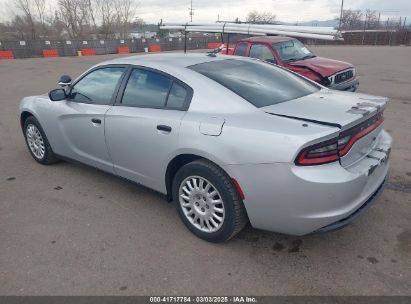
23,116
172,168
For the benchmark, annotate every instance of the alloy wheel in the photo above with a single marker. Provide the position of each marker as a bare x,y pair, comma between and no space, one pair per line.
35,141
202,204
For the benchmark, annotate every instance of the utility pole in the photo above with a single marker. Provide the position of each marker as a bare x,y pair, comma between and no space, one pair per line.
191,13
379,19
378,28
341,14
365,27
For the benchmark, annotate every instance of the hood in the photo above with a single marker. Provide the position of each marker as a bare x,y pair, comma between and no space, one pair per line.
323,66
333,108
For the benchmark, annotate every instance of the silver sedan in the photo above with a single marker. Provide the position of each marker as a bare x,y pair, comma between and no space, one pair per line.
230,140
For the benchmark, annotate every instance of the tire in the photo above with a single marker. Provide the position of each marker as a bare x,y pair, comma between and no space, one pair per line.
228,218
46,156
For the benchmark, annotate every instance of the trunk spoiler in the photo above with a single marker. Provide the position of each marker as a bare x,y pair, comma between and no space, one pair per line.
330,124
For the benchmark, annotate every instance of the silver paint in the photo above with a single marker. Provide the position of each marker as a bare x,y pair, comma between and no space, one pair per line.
251,144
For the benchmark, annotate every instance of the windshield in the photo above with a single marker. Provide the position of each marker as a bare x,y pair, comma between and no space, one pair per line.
292,50
260,83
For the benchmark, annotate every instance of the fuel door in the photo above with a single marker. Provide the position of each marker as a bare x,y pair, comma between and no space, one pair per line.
212,126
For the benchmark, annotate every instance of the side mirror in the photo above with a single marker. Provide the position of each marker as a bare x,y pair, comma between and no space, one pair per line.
57,95
65,81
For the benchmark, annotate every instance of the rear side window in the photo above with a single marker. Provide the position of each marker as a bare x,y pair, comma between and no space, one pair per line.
241,49
259,83
177,96
151,89
146,89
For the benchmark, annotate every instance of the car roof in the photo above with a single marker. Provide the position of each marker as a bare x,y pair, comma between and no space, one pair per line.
176,65
165,61
267,39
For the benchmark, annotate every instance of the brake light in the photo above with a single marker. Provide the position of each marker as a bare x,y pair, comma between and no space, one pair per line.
331,150
322,153
349,137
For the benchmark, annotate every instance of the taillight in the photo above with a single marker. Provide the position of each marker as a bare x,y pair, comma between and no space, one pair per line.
331,150
322,153
349,137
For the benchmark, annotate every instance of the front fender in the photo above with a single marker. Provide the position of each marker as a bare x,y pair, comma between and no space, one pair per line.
35,106
28,107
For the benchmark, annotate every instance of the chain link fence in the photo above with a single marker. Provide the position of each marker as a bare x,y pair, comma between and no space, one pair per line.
368,38
34,48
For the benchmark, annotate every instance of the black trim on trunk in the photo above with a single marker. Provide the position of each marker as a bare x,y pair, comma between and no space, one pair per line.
309,120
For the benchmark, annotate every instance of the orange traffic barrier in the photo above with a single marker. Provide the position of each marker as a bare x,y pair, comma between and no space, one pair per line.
213,45
50,53
123,50
88,52
155,48
6,55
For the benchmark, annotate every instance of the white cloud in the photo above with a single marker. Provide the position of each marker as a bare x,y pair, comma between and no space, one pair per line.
387,8
286,10
230,9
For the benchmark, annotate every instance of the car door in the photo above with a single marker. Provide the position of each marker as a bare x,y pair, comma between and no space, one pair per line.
142,129
80,118
262,52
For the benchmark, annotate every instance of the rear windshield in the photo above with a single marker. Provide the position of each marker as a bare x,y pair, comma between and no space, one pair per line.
261,84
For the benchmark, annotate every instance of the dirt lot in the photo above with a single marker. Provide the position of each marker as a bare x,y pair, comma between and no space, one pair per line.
69,229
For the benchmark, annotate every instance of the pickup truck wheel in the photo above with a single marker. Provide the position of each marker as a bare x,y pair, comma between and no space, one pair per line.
207,201
37,142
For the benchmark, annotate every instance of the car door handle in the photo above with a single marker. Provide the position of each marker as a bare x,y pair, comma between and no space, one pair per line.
164,128
96,121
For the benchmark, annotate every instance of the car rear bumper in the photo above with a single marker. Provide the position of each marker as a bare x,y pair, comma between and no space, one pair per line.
346,221
350,85
296,200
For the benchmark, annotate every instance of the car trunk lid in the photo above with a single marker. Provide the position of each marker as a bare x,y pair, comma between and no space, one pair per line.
358,116
342,109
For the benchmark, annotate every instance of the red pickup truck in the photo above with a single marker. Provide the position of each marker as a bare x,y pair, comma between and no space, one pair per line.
293,55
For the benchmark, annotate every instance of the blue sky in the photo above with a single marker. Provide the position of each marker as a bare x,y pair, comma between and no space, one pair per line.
285,10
